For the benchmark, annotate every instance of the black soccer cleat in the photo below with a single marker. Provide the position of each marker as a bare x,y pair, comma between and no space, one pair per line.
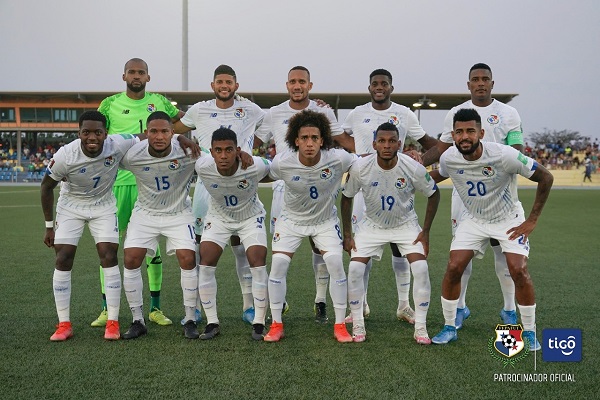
136,330
258,332
210,331
190,330
321,313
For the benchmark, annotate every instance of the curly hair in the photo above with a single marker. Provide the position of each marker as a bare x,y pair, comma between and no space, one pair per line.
310,119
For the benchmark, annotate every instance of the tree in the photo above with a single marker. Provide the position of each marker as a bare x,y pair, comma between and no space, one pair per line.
553,136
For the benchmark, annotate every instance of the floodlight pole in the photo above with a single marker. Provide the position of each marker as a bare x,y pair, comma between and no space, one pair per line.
184,46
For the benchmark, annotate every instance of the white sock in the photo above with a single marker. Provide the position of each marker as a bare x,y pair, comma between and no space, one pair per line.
338,284
133,285
356,289
464,282
259,292
189,287
243,272
506,283
61,285
112,290
402,272
527,317
207,287
421,292
278,284
449,310
321,278
366,280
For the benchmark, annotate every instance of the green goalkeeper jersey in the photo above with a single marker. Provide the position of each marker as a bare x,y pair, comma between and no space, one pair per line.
126,115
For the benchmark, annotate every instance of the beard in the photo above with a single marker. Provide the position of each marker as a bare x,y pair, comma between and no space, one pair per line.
225,98
136,89
470,150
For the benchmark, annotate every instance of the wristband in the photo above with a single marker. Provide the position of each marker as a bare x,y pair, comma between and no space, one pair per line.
49,224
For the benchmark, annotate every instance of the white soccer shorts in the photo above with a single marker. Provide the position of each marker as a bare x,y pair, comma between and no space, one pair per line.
102,223
288,236
370,240
251,231
144,231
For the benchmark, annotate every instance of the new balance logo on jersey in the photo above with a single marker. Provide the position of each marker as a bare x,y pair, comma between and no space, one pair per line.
460,171
366,120
214,186
82,171
213,115
295,178
146,168
286,122
374,184
125,112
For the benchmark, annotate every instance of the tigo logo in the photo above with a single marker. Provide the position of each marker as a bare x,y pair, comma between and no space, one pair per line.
562,345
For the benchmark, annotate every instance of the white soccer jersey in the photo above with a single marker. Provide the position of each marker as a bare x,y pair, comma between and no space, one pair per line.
233,197
276,122
501,123
488,186
362,122
163,183
88,181
243,118
389,194
310,192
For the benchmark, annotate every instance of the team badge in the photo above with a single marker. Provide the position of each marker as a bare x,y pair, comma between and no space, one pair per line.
51,164
354,219
493,119
400,183
151,108
488,171
239,113
508,346
276,237
326,173
174,164
108,161
207,226
394,120
243,184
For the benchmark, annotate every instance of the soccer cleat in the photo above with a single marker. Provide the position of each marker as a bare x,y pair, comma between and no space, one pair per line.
359,333
159,318
101,320
248,315
286,308
366,314
340,333
421,336
136,330
275,332
407,314
508,317
111,332
63,332
190,330
321,313
198,318
534,345
258,332
210,331
461,315
447,335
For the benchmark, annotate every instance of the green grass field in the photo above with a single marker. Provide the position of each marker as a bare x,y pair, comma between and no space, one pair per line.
308,363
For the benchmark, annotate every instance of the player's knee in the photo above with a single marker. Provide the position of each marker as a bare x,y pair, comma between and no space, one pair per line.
454,271
520,276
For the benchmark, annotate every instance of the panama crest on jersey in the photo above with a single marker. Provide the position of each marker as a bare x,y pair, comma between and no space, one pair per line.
108,161
239,113
493,119
326,173
488,171
174,164
151,108
243,184
394,120
401,183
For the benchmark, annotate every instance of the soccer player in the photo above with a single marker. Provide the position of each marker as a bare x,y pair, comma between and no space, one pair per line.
234,209
87,167
485,176
241,116
163,173
312,173
274,127
388,182
501,124
126,112
361,123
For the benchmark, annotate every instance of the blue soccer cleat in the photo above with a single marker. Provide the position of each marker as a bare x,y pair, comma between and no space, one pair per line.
447,335
508,317
248,315
534,345
461,315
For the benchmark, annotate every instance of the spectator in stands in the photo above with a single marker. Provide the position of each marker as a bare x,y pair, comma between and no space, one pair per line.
588,169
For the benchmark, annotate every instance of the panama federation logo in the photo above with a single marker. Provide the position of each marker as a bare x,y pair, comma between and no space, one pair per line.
239,113
326,173
108,161
276,237
243,184
488,171
509,346
400,183
151,108
174,164
207,226
493,119
394,120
